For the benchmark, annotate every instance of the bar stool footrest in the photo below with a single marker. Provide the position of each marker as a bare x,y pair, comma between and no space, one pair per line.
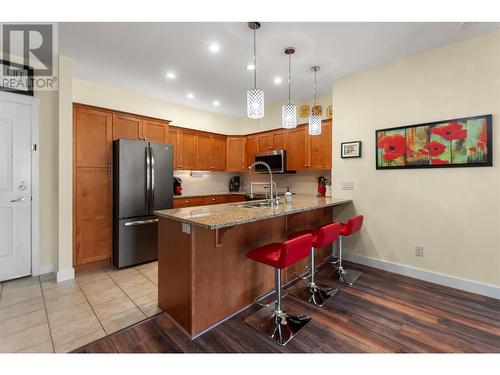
316,294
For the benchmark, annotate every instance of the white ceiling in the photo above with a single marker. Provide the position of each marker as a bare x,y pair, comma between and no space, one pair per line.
136,56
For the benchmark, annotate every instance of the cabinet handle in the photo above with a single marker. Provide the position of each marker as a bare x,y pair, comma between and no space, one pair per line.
213,199
109,162
109,172
187,202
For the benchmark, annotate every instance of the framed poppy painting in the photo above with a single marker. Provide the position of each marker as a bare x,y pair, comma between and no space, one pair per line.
462,142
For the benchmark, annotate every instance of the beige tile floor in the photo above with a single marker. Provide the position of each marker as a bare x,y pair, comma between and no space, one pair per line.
39,315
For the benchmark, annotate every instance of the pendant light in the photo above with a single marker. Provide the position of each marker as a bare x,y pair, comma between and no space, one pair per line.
289,110
255,96
314,119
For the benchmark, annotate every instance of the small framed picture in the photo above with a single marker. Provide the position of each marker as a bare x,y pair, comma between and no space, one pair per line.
350,149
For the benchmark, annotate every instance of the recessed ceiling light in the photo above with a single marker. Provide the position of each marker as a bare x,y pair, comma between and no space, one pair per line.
277,80
214,47
250,67
216,103
190,95
171,75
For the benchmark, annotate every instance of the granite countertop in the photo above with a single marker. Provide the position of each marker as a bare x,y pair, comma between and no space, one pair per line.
230,214
192,195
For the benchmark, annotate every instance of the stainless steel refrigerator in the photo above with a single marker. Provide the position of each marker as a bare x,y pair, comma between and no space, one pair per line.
142,183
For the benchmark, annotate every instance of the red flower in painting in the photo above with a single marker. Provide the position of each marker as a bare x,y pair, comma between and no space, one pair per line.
435,148
439,161
472,149
452,131
394,146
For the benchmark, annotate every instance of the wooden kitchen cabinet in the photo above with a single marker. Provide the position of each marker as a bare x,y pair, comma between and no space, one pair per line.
265,142
189,202
218,152
320,148
204,152
155,131
235,154
127,127
251,148
216,199
233,198
92,130
279,140
93,213
173,139
298,149
187,149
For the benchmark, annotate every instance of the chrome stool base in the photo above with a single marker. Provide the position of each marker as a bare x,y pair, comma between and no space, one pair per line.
348,276
312,293
279,326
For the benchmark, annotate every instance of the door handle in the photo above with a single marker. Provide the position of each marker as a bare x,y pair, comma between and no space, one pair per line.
20,199
141,222
152,178
147,178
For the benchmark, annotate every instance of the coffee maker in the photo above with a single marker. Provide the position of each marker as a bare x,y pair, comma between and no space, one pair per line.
234,183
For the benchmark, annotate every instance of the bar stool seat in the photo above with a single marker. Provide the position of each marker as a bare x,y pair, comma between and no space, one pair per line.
310,291
273,321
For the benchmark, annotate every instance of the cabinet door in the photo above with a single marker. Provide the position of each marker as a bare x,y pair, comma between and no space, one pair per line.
155,131
320,148
187,149
92,134
265,142
235,198
173,139
203,152
235,154
216,199
297,155
218,152
251,148
279,139
127,127
93,213
189,202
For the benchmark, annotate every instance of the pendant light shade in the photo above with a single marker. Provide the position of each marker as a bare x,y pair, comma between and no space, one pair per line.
255,96
314,119
289,110
289,116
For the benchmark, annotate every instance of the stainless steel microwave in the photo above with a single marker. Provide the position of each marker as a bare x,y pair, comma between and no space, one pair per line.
275,159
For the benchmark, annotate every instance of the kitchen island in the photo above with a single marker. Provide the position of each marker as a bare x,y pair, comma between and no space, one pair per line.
204,276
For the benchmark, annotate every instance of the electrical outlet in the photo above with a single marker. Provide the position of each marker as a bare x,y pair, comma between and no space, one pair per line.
419,251
348,185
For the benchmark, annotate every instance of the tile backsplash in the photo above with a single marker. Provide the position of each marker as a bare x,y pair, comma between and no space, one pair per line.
302,182
204,182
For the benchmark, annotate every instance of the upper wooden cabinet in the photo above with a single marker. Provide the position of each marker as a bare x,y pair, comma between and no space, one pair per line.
127,127
142,128
218,152
320,148
204,152
155,131
298,149
173,139
251,148
235,154
187,144
92,134
279,140
265,142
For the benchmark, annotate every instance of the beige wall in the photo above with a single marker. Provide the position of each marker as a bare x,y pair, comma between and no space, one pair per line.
48,139
454,213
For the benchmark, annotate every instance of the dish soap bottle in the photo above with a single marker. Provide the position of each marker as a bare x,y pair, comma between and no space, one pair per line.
288,194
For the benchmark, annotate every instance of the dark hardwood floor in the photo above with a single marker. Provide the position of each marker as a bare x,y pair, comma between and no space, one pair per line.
382,312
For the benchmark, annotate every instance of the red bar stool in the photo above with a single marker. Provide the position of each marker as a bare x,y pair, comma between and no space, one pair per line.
312,292
353,225
272,320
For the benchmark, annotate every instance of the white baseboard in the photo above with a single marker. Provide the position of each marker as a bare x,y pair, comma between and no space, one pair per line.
46,268
66,274
433,277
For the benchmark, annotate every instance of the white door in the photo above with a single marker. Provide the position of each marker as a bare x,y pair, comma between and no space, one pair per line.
15,190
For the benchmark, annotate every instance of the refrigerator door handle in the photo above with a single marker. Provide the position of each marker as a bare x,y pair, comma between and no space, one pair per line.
141,222
152,178
148,178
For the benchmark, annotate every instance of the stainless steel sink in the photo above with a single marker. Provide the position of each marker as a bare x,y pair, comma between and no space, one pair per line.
254,204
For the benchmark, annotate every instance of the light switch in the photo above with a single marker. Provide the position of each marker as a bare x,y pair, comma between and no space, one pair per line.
186,228
349,185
